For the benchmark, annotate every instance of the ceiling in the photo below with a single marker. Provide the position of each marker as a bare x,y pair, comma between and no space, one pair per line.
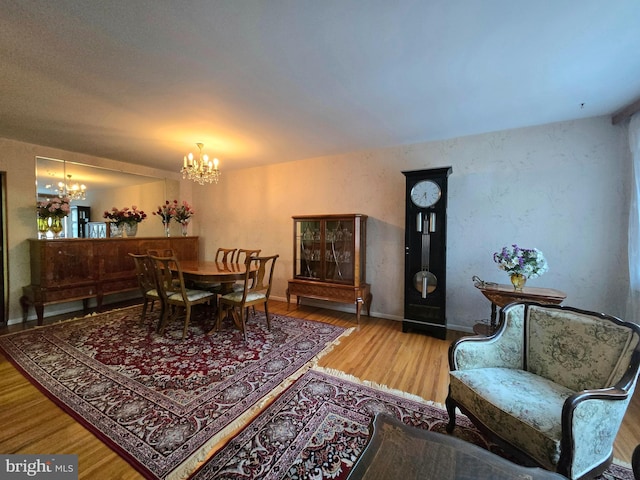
266,81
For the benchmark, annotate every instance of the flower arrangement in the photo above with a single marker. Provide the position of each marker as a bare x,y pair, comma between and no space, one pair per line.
54,207
126,215
167,211
183,213
529,262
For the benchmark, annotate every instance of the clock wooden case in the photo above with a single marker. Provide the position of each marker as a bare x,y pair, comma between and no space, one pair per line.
425,275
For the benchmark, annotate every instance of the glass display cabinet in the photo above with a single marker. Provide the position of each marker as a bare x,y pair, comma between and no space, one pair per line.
329,259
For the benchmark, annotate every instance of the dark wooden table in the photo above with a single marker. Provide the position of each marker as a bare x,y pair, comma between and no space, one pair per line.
501,295
396,450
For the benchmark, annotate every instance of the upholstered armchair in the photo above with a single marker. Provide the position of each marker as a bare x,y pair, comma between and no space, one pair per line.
551,386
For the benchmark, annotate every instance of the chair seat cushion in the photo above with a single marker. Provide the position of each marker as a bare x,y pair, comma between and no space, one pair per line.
251,296
192,295
518,406
152,293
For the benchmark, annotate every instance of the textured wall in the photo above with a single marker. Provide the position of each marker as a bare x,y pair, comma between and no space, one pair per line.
558,187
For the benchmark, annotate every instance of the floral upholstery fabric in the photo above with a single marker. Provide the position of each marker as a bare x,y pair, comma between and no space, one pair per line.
517,382
516,405
578,351
503,350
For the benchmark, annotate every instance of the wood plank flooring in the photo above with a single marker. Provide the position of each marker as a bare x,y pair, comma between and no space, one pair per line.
377,351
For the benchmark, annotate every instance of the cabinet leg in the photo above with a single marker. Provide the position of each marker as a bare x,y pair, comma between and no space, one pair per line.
367,304
358,307
24,303
288,299
40,313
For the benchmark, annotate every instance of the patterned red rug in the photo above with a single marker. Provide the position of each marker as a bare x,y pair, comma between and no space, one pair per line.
159,401
318,427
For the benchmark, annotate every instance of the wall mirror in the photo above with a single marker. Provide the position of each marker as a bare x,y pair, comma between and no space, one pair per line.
103,189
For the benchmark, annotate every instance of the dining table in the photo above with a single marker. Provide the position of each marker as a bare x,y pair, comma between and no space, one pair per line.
203,272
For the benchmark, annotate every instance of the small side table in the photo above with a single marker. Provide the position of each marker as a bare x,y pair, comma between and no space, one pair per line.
501,295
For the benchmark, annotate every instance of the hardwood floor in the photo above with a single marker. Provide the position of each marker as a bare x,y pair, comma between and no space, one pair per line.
377,351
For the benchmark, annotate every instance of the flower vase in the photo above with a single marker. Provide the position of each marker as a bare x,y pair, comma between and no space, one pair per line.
167,233
43,227
56,226
131,229
115,230
518,280
183,228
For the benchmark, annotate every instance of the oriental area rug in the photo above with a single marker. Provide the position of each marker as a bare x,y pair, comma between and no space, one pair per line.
319,426
159,401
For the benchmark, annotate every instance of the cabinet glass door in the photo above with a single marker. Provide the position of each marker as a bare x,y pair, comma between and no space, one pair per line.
339,250
308,262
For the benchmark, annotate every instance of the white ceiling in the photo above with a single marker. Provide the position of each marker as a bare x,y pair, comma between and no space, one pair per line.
263,81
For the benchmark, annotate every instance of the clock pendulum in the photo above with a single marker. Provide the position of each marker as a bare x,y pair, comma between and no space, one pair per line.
424,281
425,251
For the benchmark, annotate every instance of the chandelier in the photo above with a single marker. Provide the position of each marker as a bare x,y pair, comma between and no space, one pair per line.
201,170
74,191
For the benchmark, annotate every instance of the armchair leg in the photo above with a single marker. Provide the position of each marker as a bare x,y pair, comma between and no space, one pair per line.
451,410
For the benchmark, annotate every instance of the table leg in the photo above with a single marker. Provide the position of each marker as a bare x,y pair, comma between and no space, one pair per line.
494,316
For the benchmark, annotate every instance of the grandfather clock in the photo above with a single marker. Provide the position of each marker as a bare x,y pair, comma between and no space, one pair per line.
425,273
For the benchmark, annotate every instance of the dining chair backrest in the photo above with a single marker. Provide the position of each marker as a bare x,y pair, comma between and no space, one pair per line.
145,275
162,252
144,272
168,276
259,276
243,253
225,255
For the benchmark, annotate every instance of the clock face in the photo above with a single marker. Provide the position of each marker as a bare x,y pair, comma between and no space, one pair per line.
425,193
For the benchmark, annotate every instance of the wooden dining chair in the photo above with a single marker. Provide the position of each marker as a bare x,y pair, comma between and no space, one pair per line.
163,252
241,257
243,253
257,288
176,296
225,255
147,282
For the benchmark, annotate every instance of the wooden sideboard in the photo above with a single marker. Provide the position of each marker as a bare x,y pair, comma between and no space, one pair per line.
67,270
